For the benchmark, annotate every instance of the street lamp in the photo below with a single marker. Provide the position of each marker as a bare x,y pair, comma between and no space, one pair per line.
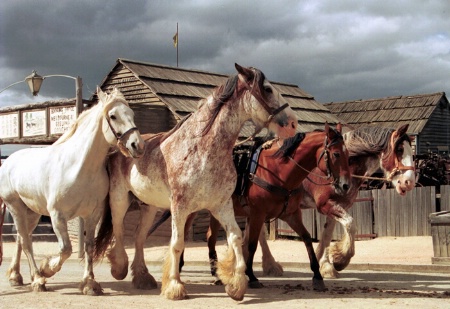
34,82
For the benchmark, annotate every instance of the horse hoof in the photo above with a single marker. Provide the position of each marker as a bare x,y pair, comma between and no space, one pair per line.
16,280
90,287
233,293
275,270
145,282
327,271
38,286
119,275
45,269
255,284
319,285
174,290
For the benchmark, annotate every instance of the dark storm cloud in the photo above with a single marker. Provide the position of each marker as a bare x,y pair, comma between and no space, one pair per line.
335,50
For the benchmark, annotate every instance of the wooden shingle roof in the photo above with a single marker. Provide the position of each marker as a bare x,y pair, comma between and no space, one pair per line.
390,111
181,89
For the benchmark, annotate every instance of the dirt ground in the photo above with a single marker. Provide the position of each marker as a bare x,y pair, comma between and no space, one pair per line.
374,279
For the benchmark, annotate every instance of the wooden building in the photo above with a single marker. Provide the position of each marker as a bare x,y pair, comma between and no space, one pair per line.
428,116
162,95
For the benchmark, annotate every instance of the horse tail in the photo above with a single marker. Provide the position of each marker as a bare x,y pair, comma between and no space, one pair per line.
105,233
164,216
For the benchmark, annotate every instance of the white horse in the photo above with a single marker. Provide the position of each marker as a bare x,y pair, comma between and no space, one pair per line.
188,169
66,180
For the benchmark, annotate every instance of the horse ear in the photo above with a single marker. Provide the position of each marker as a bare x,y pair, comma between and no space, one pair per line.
327,128
339,127
100,94
401,130
244,71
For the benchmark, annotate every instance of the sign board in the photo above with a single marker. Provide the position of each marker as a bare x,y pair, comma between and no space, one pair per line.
34,123
9,125
61,118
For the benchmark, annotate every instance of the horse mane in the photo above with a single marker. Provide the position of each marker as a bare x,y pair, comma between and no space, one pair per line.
115,95
225,92
367,140
289,145
221,95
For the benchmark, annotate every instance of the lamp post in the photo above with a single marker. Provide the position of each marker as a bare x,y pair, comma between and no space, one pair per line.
34,82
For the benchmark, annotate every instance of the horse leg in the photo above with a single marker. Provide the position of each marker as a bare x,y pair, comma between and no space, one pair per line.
187,227
269,265
88,285
142,279
172,286
117,256
344,250
322,251
25,225
296,223
51,265
211,238
231,270
254,226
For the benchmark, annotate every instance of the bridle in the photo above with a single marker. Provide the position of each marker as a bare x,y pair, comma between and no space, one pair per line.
399,166
271,111
120,137
325,154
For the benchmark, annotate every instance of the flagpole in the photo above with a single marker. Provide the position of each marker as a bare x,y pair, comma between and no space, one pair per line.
177,44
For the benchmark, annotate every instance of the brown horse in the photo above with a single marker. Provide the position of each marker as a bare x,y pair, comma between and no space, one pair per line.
274,190
370,149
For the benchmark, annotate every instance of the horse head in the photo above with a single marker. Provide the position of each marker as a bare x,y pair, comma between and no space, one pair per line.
119,127
398,162
276,114
332,159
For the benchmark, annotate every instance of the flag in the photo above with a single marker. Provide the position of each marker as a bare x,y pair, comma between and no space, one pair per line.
175,40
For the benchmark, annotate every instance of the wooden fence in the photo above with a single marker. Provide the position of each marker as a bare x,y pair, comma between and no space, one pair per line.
381,213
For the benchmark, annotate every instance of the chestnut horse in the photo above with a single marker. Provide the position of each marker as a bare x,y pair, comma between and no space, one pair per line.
66,180
370,149
274,191
188,169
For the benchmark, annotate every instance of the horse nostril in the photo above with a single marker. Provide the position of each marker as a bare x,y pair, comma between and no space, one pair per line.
345,187
293,125
133,145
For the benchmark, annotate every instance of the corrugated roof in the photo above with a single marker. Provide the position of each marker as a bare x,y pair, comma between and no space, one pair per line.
181,89
390,111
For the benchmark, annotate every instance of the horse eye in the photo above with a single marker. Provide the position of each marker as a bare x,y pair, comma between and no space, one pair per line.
337,155
112,117
268,89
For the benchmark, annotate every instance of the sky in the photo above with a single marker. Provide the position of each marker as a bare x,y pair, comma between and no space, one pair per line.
334,50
